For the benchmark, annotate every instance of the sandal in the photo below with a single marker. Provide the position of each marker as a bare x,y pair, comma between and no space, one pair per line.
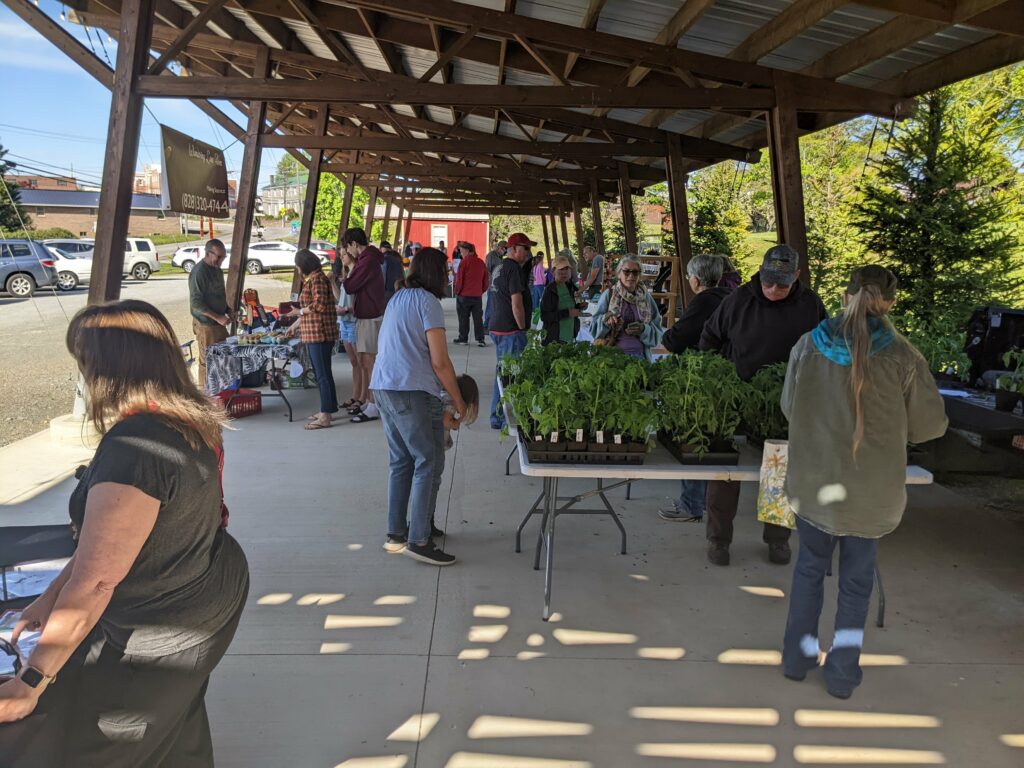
350,403
319,425
356,408
362,418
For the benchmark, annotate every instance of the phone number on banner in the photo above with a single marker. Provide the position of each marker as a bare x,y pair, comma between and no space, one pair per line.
199,204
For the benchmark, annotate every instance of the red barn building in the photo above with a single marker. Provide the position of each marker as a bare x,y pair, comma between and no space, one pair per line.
431,229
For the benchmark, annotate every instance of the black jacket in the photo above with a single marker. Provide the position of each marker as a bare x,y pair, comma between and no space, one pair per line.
551,315
685,334
753,332
393,272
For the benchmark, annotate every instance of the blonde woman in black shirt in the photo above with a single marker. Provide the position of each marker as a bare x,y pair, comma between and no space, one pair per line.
153,594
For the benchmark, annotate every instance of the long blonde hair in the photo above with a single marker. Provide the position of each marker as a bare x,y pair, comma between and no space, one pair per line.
132,363
868,302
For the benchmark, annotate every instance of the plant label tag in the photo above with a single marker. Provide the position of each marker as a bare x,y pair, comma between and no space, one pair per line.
537,438
600,436
579,435
618,439
554,437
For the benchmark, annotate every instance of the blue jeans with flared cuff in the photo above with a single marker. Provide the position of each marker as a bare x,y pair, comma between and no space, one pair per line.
414,427
857,558
693,497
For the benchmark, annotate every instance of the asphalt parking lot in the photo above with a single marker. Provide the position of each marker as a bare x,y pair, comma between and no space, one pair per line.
37,374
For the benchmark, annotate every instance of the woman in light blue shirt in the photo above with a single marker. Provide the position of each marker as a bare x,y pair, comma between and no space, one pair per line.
412,371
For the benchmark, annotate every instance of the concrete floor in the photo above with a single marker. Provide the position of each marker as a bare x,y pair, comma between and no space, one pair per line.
350,657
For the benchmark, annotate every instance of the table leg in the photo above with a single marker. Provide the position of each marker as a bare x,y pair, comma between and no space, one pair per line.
543,527
273,370
615,518
551,504
508,461
629,489
531,513
880,621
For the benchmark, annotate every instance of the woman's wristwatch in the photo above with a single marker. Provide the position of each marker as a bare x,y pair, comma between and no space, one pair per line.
35,679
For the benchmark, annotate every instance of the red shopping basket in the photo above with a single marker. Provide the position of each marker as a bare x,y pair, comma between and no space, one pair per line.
247,402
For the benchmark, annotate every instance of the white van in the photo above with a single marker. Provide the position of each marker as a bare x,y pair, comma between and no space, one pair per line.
140,258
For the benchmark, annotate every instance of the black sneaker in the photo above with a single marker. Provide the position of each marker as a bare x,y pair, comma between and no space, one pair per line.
779,553
459,341
481,343
435,532
428,553
718,553
394,544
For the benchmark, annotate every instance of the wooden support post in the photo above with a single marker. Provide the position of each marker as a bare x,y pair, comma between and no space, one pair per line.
555,247
595,207
565,229
122,149
398,225
787,181
371,208
626,205
248,180
312,187
680,227
577,220
547,240
387,221
346,205
409,213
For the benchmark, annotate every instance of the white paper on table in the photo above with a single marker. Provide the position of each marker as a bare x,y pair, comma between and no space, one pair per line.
33,579
295,369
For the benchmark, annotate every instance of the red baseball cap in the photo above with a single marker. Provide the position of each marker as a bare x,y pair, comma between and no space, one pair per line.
518,238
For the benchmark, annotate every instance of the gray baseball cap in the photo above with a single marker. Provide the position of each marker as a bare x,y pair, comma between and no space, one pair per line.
780,266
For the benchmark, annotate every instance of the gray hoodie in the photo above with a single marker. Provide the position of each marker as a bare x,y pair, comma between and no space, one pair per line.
828,487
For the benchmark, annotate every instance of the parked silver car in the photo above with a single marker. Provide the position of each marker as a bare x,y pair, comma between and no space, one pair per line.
24,266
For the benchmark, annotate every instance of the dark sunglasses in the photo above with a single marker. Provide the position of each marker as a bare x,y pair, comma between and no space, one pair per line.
631,271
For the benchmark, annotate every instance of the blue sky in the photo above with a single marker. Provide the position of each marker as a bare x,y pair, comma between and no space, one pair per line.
54,116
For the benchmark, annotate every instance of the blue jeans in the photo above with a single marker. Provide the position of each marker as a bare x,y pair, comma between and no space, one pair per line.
537,292
414,428
488,311
320,353
857,559
693,497
510,344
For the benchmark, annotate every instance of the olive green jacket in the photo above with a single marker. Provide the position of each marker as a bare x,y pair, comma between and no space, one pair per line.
829,487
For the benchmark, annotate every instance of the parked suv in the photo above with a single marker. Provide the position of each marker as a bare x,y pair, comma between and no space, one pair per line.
140,258
186,257
24,266
72,247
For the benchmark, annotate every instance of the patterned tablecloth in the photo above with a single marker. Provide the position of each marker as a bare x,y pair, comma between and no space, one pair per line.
228,361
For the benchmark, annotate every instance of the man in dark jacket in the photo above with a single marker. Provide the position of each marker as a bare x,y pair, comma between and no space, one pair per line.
512,309
393,270
704,273
366,283
471,282
757,325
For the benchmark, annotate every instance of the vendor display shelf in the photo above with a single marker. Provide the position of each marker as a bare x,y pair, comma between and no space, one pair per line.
546,452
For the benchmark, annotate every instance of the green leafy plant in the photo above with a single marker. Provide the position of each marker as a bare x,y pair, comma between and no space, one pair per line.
941,341
762,409
1012,382
700,398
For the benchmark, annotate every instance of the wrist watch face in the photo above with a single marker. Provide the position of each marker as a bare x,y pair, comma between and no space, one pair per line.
32,677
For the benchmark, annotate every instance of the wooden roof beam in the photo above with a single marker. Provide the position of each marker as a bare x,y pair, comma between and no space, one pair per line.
501,146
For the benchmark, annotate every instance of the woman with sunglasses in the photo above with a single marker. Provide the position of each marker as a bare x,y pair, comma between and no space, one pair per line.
560,305
627,315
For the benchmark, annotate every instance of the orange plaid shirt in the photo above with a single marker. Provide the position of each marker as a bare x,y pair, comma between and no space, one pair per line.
319,321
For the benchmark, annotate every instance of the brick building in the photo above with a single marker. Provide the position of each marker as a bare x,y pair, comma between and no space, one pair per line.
75,211
147,181
43,182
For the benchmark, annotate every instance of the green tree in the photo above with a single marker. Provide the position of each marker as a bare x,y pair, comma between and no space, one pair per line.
614,227
943,209
329,200
716,220
288,167
501,226
832,161
12,215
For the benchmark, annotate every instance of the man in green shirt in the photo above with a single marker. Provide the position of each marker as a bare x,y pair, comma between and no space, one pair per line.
208,303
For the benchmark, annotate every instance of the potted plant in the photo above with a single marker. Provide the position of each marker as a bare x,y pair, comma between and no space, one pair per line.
1010,386
762,408
700,398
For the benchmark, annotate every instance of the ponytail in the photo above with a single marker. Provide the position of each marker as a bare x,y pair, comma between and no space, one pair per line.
866,303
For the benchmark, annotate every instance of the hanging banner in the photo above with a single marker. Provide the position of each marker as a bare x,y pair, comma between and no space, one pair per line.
194,178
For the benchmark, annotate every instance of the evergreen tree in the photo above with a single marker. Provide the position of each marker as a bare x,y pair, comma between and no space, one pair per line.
940,210
12,215
716,221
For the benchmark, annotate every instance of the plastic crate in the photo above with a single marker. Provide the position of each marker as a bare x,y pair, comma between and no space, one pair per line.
247,402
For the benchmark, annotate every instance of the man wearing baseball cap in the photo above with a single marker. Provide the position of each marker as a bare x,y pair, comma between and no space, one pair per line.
512,309
756,326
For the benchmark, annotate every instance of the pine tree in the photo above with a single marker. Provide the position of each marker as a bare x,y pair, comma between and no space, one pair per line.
716,220
940,211
12,215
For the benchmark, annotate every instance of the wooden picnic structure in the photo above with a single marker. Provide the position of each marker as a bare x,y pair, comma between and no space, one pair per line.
538,107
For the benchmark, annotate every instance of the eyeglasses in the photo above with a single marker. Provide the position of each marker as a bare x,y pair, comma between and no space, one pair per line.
631,272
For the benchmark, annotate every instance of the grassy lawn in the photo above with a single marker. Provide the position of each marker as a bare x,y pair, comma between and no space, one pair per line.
756,243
